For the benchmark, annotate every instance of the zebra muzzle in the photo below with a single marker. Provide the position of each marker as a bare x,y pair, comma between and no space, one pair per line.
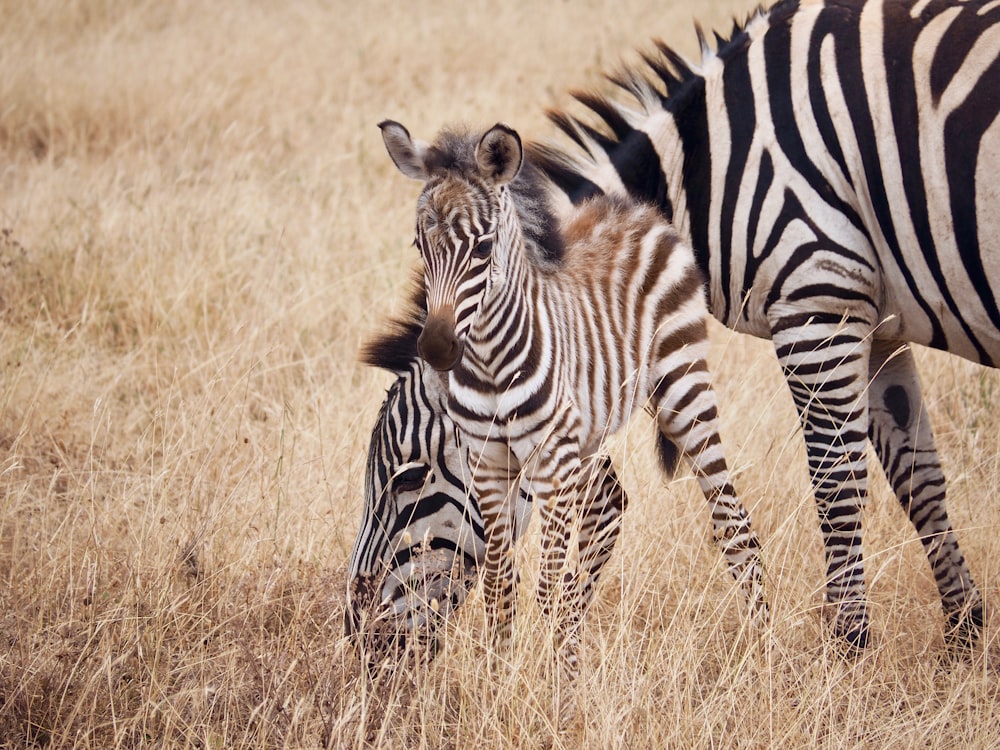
438,345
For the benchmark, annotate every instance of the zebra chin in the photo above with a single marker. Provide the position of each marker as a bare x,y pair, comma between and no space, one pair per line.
410,619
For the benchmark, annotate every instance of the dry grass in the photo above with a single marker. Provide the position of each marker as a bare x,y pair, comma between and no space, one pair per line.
198,228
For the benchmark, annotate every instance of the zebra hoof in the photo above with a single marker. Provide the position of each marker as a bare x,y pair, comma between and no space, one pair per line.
854,640
964,627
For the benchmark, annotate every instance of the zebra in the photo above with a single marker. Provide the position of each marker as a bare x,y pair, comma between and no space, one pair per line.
421,542
833,164
545,359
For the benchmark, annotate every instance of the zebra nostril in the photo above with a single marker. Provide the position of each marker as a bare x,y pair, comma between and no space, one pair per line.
454,354
439,346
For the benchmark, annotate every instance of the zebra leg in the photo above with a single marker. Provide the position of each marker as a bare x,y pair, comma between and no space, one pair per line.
825,361
559,482
604,501
565,592
688,421
495,484
557,580
901,432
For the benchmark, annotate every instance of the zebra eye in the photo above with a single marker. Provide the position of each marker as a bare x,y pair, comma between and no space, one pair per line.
411,479
483,248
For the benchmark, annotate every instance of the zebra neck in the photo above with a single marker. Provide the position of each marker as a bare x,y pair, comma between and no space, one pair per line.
682,188
506,319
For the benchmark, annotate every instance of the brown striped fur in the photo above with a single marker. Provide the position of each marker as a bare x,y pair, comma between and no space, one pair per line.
545,363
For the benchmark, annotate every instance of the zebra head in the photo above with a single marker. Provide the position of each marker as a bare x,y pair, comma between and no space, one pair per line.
465,222
421,539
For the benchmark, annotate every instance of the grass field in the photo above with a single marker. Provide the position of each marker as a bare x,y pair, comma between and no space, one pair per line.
198,228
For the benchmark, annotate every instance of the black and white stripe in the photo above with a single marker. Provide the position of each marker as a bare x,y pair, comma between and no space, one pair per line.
545,361
834,166
421,540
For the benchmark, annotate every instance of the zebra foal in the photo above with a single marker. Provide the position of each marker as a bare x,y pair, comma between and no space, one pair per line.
421,542
548,352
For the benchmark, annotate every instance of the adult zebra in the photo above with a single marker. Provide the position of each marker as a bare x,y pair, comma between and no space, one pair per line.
421,541
834,166
545,361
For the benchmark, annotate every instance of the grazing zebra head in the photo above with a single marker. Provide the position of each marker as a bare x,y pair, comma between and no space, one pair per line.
421,540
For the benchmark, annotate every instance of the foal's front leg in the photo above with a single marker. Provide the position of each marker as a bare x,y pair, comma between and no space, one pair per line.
557,581
495,481
557,480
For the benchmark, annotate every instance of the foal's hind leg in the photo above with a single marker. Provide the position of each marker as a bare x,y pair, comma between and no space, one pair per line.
901,433
597,522
604,502
687,417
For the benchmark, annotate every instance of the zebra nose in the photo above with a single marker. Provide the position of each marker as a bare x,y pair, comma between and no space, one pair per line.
352,622
359,595
439,346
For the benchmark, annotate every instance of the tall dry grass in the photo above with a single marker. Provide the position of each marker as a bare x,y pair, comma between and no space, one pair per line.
198,227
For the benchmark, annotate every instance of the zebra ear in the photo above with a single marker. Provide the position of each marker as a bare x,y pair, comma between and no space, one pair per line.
406,154
500,154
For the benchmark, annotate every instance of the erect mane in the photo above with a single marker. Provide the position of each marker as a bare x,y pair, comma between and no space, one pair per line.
395,348
674,72
454,152
662,81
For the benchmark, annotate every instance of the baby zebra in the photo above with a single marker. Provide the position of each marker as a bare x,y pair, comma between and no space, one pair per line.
421,542
547,358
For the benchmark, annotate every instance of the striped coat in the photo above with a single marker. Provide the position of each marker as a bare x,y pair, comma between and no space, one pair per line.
545,360
833,165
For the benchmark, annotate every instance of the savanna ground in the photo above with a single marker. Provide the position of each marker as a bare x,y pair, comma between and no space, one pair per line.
199,228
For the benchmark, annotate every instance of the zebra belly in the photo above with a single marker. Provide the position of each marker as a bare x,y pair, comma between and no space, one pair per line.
953,317
960,325
944,298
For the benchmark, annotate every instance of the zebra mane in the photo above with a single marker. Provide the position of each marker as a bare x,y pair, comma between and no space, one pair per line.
664,79
395,349
454,151
661,82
